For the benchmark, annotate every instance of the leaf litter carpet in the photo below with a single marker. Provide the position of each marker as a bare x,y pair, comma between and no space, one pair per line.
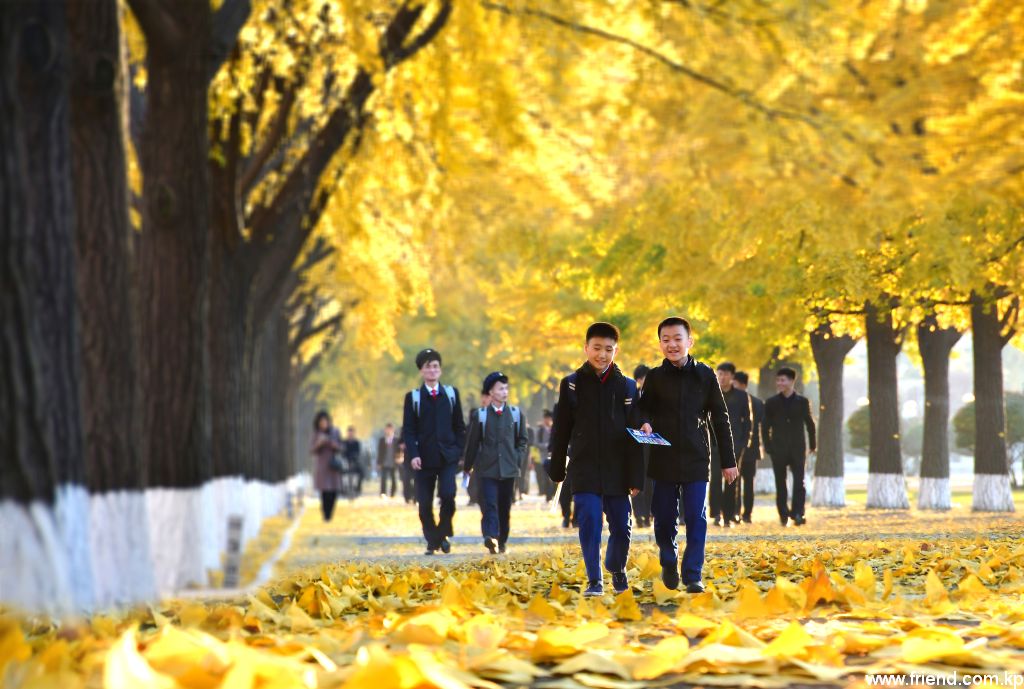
853,597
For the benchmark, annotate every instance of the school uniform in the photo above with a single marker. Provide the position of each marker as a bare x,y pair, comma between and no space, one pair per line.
680,403
592,414
748,468
494,452
436,433
785,419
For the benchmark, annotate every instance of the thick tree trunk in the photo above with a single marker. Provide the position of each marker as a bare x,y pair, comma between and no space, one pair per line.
887,486
991,461
45,562
104,260
935,345
173,266
829,357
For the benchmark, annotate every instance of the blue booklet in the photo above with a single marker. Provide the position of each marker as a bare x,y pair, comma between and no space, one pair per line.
647,438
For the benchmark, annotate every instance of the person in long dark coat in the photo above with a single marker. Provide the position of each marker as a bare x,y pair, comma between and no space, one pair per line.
326,479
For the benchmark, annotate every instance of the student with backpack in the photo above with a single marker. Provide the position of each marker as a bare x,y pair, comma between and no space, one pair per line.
595,406
434,432
494,451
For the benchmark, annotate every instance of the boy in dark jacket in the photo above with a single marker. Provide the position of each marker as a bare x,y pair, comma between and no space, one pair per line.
680,398
434,432
494,451
595,406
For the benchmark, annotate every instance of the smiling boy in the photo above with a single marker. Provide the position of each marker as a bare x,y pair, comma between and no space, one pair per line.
595,405
680,398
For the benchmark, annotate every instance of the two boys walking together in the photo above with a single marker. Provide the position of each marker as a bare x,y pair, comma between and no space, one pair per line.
682,400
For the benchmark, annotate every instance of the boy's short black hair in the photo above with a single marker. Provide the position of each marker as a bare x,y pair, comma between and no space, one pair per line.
491,380
427,355
742,378
640,371
602,329
675,320
548,414
787,372
727,366
389,425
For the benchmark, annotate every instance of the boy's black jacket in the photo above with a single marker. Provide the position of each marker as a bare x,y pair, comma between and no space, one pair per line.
593,419
677,402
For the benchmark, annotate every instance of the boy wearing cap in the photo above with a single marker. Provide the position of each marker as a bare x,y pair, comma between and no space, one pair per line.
434,432
494,452
595,406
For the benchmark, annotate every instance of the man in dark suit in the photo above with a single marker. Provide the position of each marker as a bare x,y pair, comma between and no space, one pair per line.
748,471
724,499
434,431
786,416
387,453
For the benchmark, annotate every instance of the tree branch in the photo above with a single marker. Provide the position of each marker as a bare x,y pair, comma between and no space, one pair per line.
274,135
743,96
392,49
227,22
1008,323
158,26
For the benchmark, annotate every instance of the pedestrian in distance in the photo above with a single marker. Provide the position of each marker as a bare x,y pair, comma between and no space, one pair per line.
387,464
682,401
352,449
434,431
748,468
786,416
741,422
642,502
327,478
595,407
494,451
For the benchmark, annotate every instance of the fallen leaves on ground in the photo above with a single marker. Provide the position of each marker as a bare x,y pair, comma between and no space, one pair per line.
816,610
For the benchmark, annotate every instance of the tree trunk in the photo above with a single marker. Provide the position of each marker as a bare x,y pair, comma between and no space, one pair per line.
103,262
829,357
887,486
45,562
935,344
173,266
991,461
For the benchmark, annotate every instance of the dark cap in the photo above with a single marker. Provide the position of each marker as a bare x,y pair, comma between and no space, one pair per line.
491,379
426,356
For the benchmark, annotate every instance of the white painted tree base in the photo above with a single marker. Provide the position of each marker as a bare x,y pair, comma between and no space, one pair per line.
828,491
992,493
934,494
119,539
887,491
44,553
178,518
764,479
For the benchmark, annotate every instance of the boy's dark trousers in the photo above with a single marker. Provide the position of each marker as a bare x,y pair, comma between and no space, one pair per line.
589,507
795,463
327,500
408,487
495,507
388,474
444,480
748,470
665,504
565,499
721,496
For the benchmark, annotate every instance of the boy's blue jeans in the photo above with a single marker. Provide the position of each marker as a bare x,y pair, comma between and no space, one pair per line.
665,507
589,507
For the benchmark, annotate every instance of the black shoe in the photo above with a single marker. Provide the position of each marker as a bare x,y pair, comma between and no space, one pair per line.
670,577
718,521
725,524
695,587
594,588
446,546
736,519
619,582
747,520
799,521
565,523
502,548
491,545
784,520
431,551
575,523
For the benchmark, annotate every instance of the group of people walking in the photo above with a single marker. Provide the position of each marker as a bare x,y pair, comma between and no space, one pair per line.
711,433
